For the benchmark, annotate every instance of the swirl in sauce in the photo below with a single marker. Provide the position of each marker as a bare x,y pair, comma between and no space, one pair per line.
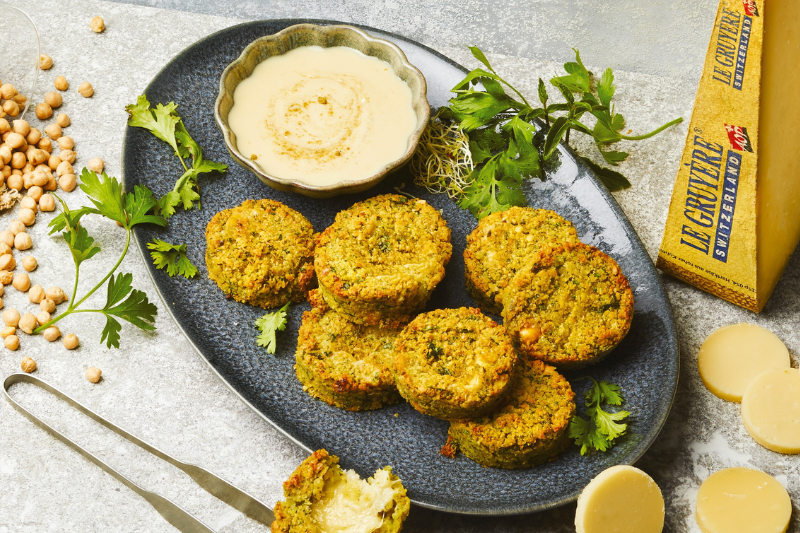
322,115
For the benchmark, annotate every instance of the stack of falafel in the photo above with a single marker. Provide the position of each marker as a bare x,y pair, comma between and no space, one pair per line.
361,347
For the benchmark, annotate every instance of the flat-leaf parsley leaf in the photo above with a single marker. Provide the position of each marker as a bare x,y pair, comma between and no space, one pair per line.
172,257
603,427
269,325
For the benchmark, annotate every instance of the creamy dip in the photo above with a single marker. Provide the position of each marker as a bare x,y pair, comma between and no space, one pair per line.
322,115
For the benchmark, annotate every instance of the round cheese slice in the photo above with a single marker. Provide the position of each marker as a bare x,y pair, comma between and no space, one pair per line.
742,500
621,499
771,410
732,356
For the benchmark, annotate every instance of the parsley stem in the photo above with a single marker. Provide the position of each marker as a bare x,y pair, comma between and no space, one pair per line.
654,132
113,269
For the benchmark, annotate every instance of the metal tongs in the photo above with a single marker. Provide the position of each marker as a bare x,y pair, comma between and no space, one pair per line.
174,514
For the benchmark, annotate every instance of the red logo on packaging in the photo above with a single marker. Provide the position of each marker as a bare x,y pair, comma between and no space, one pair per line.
739,139
750,8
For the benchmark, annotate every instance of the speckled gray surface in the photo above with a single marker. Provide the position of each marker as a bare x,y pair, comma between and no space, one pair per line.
158,388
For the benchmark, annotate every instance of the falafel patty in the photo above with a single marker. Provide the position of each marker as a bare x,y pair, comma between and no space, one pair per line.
261,253
502,243
454,363
569,306
345,364
321,498
379,262
529,429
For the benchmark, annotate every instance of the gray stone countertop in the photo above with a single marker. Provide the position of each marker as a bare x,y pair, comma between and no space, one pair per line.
158,388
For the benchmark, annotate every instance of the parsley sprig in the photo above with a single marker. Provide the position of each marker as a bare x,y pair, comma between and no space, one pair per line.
603,427
171,257
128,210
269,325
506,144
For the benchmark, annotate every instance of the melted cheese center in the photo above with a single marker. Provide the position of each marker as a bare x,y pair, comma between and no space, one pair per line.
322,115
353,505
732,356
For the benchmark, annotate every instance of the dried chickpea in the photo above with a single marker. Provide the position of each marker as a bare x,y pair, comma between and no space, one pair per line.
56,294
52,333
34,136
67,155
85,89
5,153
67,182
8,330
53,130
65,167
7,262
63,120
40,178
15,226
7,237
52,184
27,323
38,156
15,141
96,164
4,126
43,111
70,341
22,281
6,172
18,160
6,277
14,182
35,193
8,91
26,216
53,162
12,343
11,317
45,144
43,317
22,127
93,374
11,108
97,24
36,295
61,83
66,143
45,62
4,249
47,202
28,365
22,241
47,305
27,180
28,203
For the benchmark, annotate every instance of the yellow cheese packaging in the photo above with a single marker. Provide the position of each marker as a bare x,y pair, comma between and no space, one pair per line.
734,217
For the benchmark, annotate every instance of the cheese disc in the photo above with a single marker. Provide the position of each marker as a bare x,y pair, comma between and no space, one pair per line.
742,500
621,499
733,356
771,410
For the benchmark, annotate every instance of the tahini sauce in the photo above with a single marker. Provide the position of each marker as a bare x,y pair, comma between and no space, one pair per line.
322,115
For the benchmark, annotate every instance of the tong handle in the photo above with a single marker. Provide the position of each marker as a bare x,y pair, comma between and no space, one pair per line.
172,513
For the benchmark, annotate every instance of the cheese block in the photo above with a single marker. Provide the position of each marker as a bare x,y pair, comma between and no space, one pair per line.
742,500
734,217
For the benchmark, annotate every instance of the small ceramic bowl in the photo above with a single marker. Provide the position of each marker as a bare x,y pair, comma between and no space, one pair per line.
324,36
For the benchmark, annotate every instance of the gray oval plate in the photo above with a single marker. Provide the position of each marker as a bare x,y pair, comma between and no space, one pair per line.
645,364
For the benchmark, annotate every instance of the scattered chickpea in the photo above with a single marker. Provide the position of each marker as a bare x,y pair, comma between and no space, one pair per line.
34,136
61,83
53,162
36,296
67,182
6,277
8,91
26,216
21,99
22,281
22,241
16,227
70,341
36,193
47,305
96,164
37,156
18,160
97,24
14,182
27,323
66,143
53,130
28,365
52,333
45,62
85,89
12,343
11,317
67,155
27,180
4,249
28,203
47,202
22,127
7,237
42,317
65,167
93,374
11,108
52,184
63,120
45,144
56,294
8,330
43,111
7,262
15,141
